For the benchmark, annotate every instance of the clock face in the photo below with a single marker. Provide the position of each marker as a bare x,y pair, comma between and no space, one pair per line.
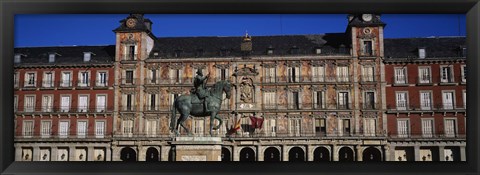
367,17
131,22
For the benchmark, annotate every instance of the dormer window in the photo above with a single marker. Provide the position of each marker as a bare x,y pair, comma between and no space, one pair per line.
199,53
464,51
270,50
223,52
294,50
87,56
318,51
51,57
17,58
421,53
177,53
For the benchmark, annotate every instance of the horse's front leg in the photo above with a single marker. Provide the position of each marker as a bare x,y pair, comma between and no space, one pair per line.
212,118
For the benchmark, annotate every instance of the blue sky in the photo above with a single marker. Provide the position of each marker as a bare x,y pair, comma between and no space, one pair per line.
33,30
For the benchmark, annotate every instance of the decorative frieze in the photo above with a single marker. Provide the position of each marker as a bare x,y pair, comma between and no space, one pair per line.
318,88
246,71
294,89
150,90
317,63
269,65
269,89
127,91
175,90
127,116
198,66
129,40
222,66
152,66
293,63
128,66
176,66
369,114
343,87
368,87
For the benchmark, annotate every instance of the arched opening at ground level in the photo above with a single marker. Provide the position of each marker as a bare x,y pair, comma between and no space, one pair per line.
128,154
296,154
226,155
152,155
345,154
321,154
247,155
372,154
271,154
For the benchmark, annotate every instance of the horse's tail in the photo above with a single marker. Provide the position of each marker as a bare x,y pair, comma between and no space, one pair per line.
173,121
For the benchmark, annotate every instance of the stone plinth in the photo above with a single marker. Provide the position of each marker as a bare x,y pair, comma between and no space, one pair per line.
198,148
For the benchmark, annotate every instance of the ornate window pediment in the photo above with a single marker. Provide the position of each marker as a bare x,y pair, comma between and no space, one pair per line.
269,65
293,63
127,116
269,89
176,66
199,66
222,66
340,87
294,89
318,88
370,115
317,63
246,71
175,90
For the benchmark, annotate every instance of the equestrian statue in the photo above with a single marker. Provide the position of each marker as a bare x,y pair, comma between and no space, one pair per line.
202,102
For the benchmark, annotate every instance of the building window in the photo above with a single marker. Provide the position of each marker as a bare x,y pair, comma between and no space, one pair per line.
66,79
81,129
318,51
198,127
400,76
46,128
29,103
99,129
369,127
342,74
464,73
368,74
63,129
101,103
177,53
269,51
199,53
15,103
30,79
401,100
172,98
294,50
82,103
225,103
424,75
269,99
175,76
151,128
344,127
425,100
223,74
28,129
16,79
102,79
128,102
367,48
464,99
446,74
294,100
269,75
403,128
320,127
65,103
51,58
319,99
129,77
450,128
293,74
270,127
369,100
318,73
48,79
294,127
153,76
152,101
130,52
427,127
421,53
448,101
84,79
128,127
47,103
343,100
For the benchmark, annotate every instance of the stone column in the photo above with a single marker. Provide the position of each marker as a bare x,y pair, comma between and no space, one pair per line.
416,153
90,153
359,154
284,153
463,156
142,153
386,155
334,153
441,153
260,153
164,153
392,153
116,153
71,153
108,154
310,153
236,154
36,153
18,153
53,153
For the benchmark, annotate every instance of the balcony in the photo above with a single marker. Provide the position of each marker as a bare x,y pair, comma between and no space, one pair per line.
370,106
63,135
128,82
152,81
47,85
424,81
427,136
128,108
367,53
64,84
129,59
83,85
100,85
64,110
29,85
446,81
155,108
416,108
366,79
399,81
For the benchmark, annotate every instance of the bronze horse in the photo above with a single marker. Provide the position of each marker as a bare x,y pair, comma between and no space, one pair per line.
183,104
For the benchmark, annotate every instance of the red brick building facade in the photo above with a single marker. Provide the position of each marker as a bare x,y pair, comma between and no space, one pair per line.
426,99
63,94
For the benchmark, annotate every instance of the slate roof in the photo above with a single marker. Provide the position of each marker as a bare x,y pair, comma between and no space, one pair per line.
66,55
282,45
435,47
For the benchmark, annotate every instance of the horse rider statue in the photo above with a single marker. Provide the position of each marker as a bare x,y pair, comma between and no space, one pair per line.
200,83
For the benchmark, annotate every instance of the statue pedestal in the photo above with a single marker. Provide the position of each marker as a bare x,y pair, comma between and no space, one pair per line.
198,148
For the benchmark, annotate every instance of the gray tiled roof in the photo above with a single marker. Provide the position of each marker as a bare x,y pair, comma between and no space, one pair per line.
66,54
435,47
